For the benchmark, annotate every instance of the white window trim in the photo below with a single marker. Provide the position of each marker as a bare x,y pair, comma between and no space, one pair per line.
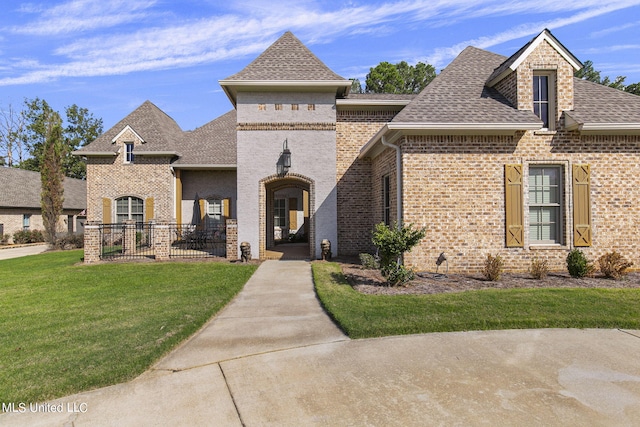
565,204
552,95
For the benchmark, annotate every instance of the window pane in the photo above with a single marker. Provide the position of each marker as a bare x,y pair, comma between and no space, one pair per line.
544,93
544,204
137,206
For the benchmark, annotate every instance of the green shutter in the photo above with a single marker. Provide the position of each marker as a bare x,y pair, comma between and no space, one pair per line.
106,210
581,205
148,209
514,206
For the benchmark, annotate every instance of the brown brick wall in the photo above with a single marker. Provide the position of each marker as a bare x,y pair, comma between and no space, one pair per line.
354,182
454,186
146,177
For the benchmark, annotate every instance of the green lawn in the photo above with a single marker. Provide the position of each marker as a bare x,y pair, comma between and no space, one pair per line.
362,316
67,327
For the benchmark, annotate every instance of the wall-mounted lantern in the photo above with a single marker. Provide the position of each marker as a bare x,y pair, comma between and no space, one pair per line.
284,162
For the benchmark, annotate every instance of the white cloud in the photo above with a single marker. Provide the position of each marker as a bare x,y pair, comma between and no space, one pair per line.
249,27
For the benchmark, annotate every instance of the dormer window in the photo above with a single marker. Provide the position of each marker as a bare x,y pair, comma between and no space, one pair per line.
128,152
544,98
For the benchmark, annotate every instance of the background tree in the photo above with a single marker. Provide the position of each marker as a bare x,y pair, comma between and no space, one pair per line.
587,72
81,129
399,78
12,123
356,86
51,176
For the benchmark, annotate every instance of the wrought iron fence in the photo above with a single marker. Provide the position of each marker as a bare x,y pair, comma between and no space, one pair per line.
126,241
198,241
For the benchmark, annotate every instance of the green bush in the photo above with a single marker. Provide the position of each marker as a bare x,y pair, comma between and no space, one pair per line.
369,261
70,241
28,236
539,268
578,264
392,242
4,239
493,266
613,265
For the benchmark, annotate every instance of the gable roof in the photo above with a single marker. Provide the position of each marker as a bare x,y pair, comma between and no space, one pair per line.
514,61
602,109
211,145
286,63
21,189
153,126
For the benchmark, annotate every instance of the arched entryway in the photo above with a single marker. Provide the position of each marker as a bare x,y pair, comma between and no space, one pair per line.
287,215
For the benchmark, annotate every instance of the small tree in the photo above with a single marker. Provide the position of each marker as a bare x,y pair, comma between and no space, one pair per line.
392,242
52,178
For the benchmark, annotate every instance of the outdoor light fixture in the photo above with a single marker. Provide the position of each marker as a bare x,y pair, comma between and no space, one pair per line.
284,162
442,258
286,156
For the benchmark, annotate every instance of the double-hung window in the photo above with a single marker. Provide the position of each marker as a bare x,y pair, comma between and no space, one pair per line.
544,98
214,210
129,208
545,204
128,152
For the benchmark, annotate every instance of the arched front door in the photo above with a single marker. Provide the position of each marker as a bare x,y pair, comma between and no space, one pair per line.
286,216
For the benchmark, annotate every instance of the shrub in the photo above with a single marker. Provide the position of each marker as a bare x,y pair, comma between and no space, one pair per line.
613,265
392,242
369,261
4,239
493,267
70,241
28,236
578,264
539,268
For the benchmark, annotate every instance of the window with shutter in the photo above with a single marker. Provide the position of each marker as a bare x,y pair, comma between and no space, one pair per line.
514,206
545,204
581,205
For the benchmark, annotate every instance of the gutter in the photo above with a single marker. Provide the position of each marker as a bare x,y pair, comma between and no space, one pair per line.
398,179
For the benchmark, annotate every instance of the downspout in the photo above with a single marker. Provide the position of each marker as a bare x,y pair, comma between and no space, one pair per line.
398,179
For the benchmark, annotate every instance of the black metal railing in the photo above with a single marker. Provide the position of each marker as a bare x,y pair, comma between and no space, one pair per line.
126,241
198,241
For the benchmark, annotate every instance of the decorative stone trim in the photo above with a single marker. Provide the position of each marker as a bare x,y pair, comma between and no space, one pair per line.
285,126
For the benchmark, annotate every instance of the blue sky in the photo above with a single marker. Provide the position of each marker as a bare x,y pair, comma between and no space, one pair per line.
111,55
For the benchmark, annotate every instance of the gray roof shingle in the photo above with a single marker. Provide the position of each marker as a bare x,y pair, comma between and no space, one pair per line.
458,95
286,59
596,103
211,144
21,189
159,131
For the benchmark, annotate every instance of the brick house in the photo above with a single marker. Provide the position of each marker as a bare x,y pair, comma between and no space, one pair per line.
20,207
511,156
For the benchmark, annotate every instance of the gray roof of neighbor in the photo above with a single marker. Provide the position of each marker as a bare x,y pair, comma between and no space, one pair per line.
213,143
459,95
286,59
148,121
596,103
21,189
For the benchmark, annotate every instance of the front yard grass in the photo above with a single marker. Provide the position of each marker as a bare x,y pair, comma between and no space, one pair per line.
365,316
66,328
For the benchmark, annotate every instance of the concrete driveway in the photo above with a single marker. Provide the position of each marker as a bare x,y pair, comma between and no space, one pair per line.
7,253
272,357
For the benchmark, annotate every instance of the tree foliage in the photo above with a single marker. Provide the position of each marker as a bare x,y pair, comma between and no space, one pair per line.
81,129
392,243
399,78
588,72
52,176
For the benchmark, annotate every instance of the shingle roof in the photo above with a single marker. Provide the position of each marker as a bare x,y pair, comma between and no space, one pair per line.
596,103
159,131
211,144
458,95
286,59
381,96
22,188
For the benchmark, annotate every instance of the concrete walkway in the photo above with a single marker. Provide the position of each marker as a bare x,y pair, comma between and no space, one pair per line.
16,252
272,357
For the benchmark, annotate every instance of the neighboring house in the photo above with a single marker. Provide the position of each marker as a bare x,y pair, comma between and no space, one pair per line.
511,156
20,207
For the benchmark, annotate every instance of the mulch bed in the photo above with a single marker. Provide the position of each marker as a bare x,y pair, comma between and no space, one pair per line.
371,282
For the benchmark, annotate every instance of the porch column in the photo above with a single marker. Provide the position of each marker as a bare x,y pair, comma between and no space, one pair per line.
162,240
232,239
